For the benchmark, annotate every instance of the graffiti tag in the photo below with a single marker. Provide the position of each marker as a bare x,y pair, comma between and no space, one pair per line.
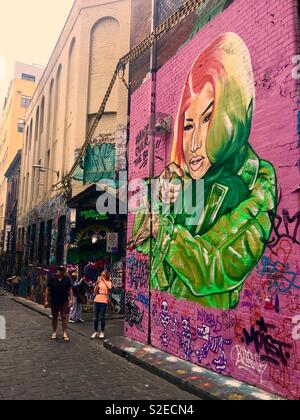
166,320
137,272
144,300
279,276
133,315
214,345
246,360
274,350
158,127
284,226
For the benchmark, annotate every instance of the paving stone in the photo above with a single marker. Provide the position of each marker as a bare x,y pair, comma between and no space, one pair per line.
33,367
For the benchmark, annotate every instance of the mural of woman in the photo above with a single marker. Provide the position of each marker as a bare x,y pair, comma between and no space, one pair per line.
208,262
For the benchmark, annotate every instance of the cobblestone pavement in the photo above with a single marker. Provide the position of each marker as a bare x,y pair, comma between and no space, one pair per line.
33,367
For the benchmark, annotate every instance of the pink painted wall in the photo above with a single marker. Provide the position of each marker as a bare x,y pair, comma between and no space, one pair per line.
137,266
269,31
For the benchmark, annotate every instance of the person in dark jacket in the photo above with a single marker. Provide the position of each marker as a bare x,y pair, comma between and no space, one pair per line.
78,287
59,295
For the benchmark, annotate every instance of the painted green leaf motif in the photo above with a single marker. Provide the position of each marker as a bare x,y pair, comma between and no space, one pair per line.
99,163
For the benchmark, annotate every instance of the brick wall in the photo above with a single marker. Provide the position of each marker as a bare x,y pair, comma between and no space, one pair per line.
255,341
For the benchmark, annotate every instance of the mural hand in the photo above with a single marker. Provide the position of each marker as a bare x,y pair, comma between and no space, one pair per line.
155,225
143,234
170,184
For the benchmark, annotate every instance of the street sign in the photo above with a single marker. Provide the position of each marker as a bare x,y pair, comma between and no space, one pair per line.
112,242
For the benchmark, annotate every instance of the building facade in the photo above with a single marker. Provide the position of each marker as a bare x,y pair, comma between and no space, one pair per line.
12,123
96,34
12,256
214,278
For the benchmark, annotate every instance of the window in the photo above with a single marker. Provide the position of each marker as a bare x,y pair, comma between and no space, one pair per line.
21,125
37,121
25,101
42,115
30,133
28,77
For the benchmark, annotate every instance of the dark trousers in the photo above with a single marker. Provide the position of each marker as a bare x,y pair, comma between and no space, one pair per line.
99,313
16,289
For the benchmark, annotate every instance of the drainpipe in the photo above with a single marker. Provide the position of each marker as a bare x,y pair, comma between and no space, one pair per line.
153,69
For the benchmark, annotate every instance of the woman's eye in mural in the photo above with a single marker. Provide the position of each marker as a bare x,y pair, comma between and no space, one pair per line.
188,127
207,118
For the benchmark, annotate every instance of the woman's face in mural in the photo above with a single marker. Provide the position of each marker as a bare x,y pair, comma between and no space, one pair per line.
196,124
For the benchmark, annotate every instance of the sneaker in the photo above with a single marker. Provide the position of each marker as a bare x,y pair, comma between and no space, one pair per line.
95,335
101,336
71,321
80,321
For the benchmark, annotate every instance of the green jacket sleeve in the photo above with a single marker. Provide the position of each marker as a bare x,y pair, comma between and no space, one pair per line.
220,260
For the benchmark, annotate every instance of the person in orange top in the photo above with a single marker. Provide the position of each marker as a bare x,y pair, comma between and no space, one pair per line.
101,291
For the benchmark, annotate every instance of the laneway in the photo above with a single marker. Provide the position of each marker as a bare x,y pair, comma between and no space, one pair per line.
33,367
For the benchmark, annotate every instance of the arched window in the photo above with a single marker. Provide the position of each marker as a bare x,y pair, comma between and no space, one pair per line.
69,137
37,121
103,59
57,103
26,139
42,115
30,133
50,113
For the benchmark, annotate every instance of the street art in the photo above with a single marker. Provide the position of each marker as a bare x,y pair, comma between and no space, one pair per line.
275,351
228,320
250,362
34,277
117,274
277,286
284,227
207,12
240,188
93,215
137,272
282,375
225,321
121,148
214,345
116,301
143,299
210,320
186,339
224,291
133,315
51,210
166,321
99,161
159,127
279,278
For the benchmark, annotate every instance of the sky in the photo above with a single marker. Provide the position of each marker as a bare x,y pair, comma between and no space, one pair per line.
29,31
